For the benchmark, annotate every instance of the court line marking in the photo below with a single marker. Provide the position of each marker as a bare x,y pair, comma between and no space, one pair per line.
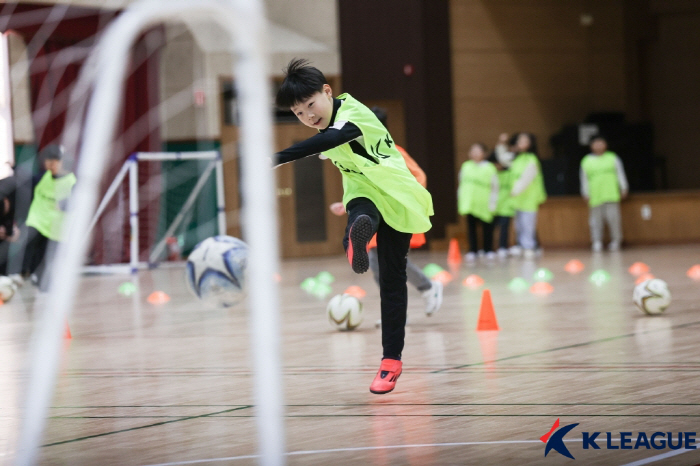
350,449
654,459
425,445
187,418
575,345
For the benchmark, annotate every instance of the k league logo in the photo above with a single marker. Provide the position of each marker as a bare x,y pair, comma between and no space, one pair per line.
554,440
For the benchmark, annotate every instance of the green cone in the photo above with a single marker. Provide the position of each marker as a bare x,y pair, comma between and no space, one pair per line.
321,290
126,289
599,277
325,277
309,284
431,270
543,275
518,284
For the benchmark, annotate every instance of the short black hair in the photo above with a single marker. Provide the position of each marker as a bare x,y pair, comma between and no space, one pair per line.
598,138
301,81
52,152
381,115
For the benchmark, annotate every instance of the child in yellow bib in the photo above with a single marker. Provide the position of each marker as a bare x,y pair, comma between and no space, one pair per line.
46,214
477,198
603,184
502,158
527,192
380,194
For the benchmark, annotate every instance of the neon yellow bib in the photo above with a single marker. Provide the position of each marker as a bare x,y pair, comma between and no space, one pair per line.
379,172
601,173
44,213
530,199
475,189
504,208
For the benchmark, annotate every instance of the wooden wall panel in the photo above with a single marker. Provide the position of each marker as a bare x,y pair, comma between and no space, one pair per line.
674,74
675,218
563,221
533,63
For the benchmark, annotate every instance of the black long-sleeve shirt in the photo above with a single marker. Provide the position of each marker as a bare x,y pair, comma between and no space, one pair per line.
336,134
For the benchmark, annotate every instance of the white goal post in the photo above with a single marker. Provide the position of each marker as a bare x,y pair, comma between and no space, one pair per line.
246,23
130,169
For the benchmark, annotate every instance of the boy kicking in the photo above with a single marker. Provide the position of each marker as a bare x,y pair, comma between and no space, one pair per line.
379,193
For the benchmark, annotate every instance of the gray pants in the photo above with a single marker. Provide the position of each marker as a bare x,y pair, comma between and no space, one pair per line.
415,275
526,229
605,213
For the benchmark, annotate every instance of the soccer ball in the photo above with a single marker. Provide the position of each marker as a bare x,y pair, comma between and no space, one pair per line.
652,296
216,270
7,288
344,312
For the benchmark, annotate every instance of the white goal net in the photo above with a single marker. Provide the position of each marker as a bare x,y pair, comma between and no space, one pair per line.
185,197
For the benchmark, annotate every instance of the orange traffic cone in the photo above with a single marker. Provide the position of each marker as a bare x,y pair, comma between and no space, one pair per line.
355,291
443,277
694,272
574,266
473,281
541,288
67,335
638,268
487,315
453,255
158,297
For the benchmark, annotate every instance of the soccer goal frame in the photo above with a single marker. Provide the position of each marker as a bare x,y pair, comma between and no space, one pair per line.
106,69
130,169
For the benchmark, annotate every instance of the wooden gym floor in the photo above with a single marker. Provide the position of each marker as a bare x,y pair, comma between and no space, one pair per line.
172,384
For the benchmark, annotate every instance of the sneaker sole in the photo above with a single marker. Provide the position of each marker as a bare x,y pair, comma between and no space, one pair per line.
360,234
387,391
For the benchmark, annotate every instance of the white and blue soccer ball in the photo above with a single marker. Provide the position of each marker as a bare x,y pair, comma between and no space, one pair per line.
216,270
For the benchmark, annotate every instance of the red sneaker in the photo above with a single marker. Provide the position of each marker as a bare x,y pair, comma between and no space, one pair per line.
359,236
386,378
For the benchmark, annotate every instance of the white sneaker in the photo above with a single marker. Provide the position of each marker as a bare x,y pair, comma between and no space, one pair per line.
597,246
516,251
529,254
433,298
470,257
502,253
16,279
490,256
614,246
481,253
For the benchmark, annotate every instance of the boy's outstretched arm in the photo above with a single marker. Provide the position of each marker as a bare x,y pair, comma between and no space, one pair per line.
340,133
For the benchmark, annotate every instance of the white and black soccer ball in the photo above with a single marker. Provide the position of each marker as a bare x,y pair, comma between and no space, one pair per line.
344,312
7,288
652,296
216,270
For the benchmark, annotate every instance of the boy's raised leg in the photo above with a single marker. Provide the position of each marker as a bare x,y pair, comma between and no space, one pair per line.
363,221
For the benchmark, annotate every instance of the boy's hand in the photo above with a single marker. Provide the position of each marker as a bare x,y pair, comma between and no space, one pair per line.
338,208
623,194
